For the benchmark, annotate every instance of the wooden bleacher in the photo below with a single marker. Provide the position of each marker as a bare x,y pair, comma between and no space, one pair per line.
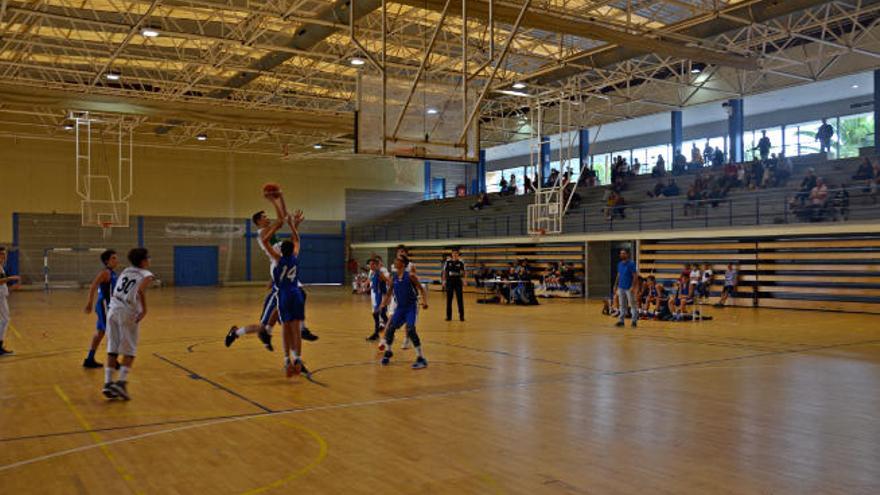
824,273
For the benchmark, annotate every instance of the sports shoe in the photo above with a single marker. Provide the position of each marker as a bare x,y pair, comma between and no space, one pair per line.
231,336
297,366
406,344
383,346
448,318
387,358
108,391
420,363
374,337
120,391
266,338
288,368
91,363
302,368
634,324
619,324
5,352
307,335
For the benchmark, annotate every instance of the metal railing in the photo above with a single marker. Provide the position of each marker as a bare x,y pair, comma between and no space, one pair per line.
746,209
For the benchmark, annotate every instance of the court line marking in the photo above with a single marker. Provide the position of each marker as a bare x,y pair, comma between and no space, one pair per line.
119,468
322,454
18,335
197,376
329,407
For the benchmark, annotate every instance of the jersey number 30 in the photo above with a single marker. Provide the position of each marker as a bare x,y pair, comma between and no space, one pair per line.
125,285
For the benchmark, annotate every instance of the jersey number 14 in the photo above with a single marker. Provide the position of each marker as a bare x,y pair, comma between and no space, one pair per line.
288,272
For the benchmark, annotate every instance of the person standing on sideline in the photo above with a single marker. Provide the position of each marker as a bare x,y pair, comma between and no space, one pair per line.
453,282
626,283
764,146
731,278
5,280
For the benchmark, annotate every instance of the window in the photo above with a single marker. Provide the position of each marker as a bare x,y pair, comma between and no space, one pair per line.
664,150
807,143
751,139
493,179
854,132
600,165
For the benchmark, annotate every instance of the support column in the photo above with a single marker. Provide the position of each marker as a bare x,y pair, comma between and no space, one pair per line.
876,111
736,130
545,159
481,172
584,146
677,133
427,194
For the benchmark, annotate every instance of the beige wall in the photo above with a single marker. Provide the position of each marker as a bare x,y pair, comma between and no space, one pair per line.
38,176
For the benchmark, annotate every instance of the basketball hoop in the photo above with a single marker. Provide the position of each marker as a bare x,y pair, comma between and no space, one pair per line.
106,229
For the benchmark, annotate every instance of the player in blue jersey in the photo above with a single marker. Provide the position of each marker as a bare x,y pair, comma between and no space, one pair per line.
379,281
102,285
406,290
291,304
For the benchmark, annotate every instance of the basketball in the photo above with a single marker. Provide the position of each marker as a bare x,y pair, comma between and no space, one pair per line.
271,190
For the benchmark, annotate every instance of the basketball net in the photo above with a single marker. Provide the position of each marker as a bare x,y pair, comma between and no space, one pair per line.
106,229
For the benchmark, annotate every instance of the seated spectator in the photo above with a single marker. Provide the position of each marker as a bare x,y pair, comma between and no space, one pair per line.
696,157
614,206
658,190
693,200
818,199
567,275
807,185
756,174
706,283
838,204
551,277
679,163
671,190
769,177
659,169
784,170
482,202
571,197
865,170
716,195
482,274
718,157
742,176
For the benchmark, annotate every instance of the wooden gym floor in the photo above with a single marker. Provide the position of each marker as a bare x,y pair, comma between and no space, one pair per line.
548,399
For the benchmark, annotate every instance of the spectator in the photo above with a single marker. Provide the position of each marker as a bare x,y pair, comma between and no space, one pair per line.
742,177
764,146
783,170
824,135
692,201
865,170
658,190
671,190
659,169
769,177
706,283
527,185
807,185
511,187
839,204
482,202
731,279
718,157
614,206
696,156
708,153
756,174
636,168
483,273
679,163
502,186
818,199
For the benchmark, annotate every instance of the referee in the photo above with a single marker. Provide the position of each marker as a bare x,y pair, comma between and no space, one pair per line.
453,282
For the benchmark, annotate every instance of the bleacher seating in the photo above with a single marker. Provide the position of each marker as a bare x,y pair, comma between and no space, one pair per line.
506,215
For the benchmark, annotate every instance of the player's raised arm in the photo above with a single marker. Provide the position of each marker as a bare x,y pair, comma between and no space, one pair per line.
101,278
415,281
294,222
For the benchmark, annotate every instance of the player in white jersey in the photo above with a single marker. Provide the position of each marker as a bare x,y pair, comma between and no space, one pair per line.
128,307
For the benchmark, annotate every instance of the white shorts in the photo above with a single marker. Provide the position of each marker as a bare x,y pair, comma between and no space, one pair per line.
122,333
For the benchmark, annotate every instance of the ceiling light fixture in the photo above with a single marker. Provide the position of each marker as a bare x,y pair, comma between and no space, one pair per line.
113,75
68,126
149,32
696,70
855,86
357,62
317,146
432,111
519,85
201,137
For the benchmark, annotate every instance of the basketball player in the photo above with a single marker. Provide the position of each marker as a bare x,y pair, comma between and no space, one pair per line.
128,307
5,280
103,286
406,290
291,304
379,278
269,316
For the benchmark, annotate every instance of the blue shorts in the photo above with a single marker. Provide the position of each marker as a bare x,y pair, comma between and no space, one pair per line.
101,313
269,306
404,315
292,306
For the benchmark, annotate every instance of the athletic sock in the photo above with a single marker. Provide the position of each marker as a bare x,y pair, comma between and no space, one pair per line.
295,355
268,329
108,374
419,352
123,373
240,331
91,356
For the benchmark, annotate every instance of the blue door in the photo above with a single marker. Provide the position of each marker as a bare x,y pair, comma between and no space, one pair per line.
322,259
438,187
195,266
